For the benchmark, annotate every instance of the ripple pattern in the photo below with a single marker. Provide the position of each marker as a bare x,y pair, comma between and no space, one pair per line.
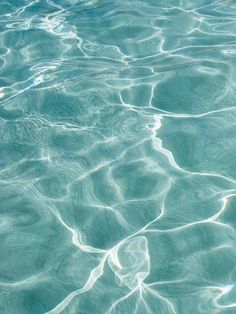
117,157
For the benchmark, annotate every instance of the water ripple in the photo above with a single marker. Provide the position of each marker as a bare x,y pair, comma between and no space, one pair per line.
117,172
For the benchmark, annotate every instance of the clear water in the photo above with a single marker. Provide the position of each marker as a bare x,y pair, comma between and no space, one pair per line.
117,156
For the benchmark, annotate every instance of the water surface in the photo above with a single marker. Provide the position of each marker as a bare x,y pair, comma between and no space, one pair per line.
117,157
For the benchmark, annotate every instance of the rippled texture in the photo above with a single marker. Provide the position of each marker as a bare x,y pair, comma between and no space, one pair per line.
117,164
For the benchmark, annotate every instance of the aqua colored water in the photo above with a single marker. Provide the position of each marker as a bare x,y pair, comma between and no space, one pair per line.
117,157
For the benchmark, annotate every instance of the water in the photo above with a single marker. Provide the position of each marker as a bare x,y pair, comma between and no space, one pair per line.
117,163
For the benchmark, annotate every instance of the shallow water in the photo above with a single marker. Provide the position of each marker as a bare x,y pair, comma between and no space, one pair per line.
117,157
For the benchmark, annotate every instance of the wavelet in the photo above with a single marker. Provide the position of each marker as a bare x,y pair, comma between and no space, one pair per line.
117,157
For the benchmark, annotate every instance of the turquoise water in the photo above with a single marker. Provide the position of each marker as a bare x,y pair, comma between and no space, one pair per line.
117,157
